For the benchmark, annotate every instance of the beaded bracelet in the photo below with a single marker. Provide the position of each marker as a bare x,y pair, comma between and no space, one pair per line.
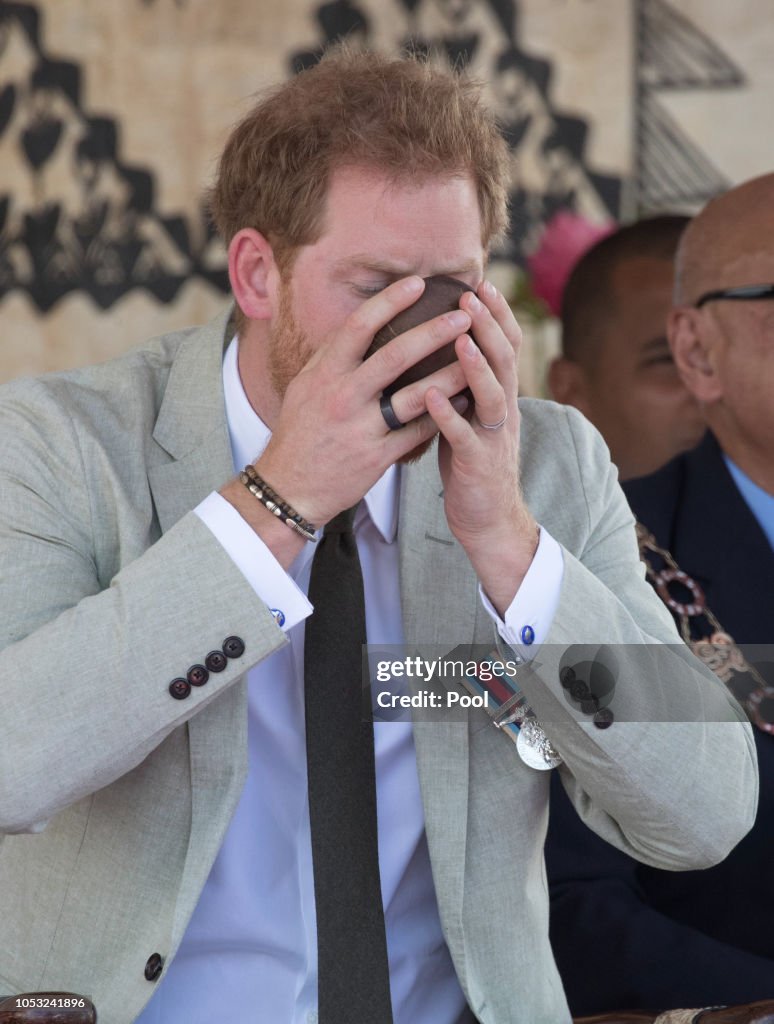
270,500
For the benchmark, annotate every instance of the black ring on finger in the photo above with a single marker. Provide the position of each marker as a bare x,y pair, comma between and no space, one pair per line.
392,421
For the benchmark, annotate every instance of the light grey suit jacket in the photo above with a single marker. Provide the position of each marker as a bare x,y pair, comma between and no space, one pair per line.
110,587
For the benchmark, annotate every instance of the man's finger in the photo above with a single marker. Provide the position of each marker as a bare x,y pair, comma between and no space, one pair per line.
491,403
493,341
357,332
409,402
454,427
400,442
501,311
404,351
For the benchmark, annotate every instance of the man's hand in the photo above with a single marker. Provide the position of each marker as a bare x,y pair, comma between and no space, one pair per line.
331,443
479,466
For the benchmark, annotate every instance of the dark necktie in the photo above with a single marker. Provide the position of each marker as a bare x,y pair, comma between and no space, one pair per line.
353,972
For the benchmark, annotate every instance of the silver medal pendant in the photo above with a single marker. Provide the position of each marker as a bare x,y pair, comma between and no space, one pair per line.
534,747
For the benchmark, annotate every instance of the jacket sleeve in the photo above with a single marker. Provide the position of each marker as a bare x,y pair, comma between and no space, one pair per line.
672,779
614,950
86,660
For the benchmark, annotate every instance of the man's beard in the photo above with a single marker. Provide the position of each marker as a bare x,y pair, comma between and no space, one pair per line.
289,347
290,350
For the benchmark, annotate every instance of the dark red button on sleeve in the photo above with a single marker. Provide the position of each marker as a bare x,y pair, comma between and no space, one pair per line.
234,647
179,688
197,675
216,661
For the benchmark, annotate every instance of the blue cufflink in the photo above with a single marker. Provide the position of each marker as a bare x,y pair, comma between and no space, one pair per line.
527,635
279,616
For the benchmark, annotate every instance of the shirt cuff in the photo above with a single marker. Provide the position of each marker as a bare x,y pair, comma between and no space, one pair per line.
287,603
529,616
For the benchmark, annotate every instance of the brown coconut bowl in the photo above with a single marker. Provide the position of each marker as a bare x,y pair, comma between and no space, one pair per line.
441,295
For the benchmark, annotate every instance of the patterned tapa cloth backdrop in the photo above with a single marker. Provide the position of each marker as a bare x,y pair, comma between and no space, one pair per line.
112,113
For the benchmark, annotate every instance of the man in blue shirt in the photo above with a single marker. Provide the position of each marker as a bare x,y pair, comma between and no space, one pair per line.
627,935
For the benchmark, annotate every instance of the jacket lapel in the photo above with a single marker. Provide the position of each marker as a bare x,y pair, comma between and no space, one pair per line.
193,452
439,603
432,563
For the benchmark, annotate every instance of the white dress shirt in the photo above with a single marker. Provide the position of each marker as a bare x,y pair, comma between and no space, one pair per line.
249,953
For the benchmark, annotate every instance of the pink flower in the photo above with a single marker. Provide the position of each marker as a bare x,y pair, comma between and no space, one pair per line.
564,240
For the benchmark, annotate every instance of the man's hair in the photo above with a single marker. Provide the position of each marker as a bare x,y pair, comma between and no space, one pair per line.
589,295
403,116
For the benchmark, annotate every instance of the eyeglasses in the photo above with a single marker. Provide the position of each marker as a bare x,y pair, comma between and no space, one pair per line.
743,293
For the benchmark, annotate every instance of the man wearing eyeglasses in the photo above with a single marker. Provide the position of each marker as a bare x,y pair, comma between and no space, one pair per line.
626,935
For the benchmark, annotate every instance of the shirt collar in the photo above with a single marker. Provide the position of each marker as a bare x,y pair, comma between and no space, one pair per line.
249,436
760,502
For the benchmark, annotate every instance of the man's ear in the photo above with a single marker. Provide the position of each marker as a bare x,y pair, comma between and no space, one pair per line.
693,344
567,384
253,274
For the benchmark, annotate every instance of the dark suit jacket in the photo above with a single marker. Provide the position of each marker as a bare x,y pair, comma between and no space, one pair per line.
630,936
